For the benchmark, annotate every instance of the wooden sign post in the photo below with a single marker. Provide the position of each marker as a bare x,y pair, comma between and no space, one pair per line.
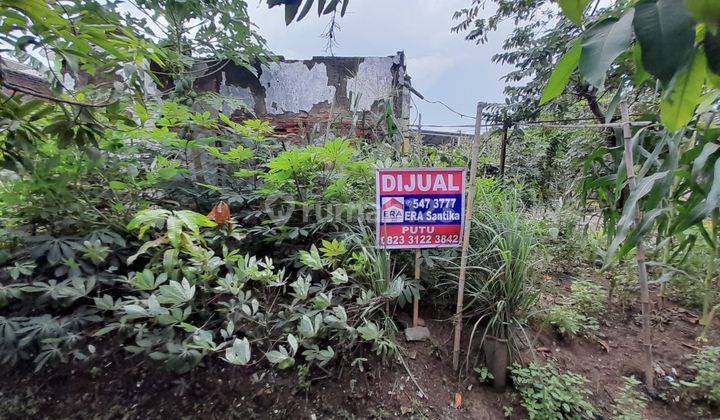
416,301
466,237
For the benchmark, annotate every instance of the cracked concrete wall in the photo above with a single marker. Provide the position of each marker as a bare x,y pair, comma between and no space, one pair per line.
295,87
299,95
373,82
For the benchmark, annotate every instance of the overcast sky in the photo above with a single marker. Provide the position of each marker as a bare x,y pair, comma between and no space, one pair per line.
443,65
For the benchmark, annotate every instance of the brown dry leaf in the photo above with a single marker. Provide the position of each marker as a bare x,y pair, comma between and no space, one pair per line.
543,350
605,345
458,400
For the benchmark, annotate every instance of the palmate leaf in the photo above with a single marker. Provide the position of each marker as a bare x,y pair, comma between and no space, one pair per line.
561,75
666,32
574,9
176,293
239,353
602,44
678,104
312,259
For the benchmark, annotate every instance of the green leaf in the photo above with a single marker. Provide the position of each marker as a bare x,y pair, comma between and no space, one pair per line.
301,287
626,222
305,10
704,10
370,331
706,206
714,80
306,327
291,9
331,6
641,75
561,75
702,159
293,343
574,9
678,105
312,259
602,44
117,185
174,229
339,276
280,358
712,50
332,248
193,220
176,293
239,353
666,32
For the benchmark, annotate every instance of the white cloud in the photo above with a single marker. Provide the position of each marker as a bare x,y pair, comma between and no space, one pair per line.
427,70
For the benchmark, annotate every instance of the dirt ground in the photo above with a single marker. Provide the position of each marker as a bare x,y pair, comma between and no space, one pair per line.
116,388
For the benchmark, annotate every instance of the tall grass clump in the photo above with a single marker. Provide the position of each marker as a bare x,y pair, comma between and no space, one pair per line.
500,295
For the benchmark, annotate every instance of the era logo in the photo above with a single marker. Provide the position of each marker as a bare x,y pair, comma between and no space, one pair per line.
393,209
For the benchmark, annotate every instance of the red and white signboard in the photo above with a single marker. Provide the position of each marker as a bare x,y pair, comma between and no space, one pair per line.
420,208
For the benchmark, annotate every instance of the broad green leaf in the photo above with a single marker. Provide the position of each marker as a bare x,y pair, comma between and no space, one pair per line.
323,300
702,159
280,358
641,75
339,276
306,327
712,49
561,75
306,8
194,220
704,10
145,247
714,79
117,185
666,32
239,353
627,221
176,293
135,311
705,207
331,6
602,44
291,9
293,343
370,331
312,259
574,9
104,330
301,287
174,229
678,105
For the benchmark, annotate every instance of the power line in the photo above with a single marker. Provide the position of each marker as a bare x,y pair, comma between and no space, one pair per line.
539,123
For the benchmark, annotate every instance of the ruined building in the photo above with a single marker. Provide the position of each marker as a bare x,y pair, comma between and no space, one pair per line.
301,97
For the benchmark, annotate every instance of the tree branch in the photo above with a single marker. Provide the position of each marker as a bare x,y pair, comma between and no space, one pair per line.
21,89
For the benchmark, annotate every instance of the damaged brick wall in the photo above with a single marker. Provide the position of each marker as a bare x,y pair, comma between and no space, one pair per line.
298,97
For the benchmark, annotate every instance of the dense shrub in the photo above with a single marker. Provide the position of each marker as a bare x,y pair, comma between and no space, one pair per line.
548,394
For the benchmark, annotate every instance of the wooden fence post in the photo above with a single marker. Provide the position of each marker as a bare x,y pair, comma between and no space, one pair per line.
466,236
640,254
503,144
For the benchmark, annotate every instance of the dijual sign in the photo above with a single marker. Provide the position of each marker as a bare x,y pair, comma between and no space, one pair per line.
420,208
